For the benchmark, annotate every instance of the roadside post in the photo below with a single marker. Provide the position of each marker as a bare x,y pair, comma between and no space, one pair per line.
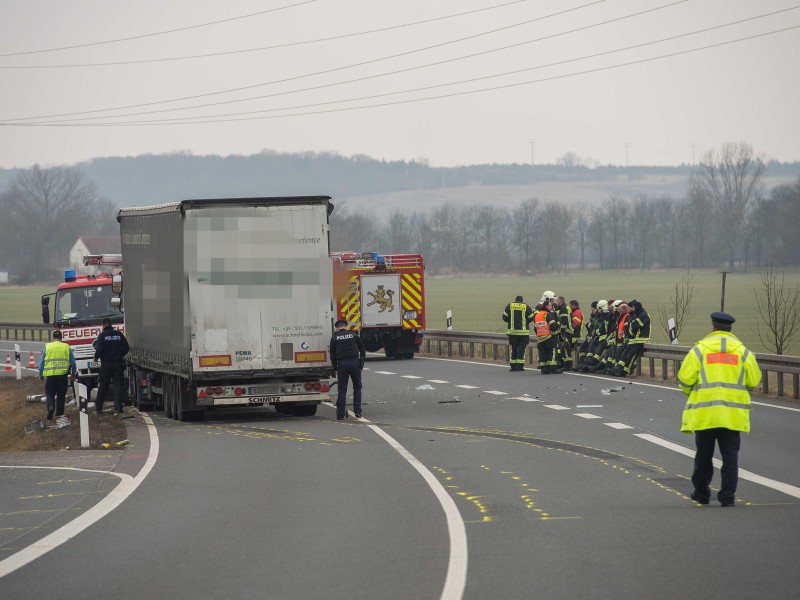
673,337
83,408
449,320
16,359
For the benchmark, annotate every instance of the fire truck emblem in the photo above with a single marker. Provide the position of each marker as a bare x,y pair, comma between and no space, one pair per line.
382,298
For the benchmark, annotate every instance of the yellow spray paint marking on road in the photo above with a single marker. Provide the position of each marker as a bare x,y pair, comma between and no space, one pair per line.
42,496
68,481
528,499
17,513
476,500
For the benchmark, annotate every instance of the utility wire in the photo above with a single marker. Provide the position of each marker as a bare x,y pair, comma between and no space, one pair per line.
262,48
415,100
157,33
247,87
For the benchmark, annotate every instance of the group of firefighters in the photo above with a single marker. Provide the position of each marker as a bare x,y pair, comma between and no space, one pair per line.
616,332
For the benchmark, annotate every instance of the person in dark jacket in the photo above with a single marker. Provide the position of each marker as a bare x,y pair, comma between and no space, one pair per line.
110,349
347,357
637,334
519,317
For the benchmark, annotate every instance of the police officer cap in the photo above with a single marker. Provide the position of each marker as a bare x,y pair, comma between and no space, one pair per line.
340,323
722,318
57,334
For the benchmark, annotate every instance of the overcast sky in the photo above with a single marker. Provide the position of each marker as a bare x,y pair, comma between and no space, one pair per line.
453,82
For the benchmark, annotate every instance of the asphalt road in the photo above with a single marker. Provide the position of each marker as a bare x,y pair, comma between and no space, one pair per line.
563,491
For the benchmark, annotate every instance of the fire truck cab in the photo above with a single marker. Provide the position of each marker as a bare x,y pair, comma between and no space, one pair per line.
81,303
382,296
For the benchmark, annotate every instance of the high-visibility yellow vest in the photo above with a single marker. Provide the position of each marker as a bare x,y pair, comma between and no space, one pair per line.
56,359
717,375
518,319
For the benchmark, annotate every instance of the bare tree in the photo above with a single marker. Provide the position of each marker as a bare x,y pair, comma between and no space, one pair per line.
582,231
598,236
525,229
43,211
617,222
731,179
679,307
643,225
779,310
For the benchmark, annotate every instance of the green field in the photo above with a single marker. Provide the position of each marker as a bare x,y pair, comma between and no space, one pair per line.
22,304
477,302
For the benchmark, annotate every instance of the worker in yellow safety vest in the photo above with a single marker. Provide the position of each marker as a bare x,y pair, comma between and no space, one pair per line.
717,375
56,364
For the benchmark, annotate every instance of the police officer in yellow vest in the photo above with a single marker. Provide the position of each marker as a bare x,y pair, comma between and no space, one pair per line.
717,375
518,315
57,363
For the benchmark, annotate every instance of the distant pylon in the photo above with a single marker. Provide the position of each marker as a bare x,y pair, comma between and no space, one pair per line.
9,368
31,364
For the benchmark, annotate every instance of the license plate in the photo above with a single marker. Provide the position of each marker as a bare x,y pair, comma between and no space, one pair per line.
264,399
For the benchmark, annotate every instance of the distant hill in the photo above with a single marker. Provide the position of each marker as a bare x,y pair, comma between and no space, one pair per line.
364,183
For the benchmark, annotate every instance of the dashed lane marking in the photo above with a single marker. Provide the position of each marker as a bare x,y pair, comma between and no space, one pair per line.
386,373
410,376
495,392
618,425
587,416
525,399
467,387
557,407
437,381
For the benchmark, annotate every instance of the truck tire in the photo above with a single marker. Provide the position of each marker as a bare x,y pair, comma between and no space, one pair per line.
390,348
166,398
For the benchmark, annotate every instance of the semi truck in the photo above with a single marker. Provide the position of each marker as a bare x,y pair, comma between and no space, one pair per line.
382,296
227,302
80,303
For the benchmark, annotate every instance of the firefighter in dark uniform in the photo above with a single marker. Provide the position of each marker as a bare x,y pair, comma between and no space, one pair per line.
638,334
347,357
519,316
564,343
545,324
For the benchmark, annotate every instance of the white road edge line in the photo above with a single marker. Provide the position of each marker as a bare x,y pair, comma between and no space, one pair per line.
112,500
766,482
456,579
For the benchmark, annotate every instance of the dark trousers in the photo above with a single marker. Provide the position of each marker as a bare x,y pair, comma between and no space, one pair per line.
351,369
114,374
55,388
518,344
628,355
729,442
547,349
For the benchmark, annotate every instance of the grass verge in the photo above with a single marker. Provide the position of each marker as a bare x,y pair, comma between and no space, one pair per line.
15,412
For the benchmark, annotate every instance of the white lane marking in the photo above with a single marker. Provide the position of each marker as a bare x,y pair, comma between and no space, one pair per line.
786,488
589,406
112,500
467,387
456,579
525,399
386,372
556,407
587,416
437,381
410,376
496,393
618,425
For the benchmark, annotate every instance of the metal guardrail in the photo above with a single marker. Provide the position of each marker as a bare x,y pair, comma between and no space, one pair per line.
494,346
22,332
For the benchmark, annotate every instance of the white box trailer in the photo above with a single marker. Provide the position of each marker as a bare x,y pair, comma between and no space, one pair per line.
228,302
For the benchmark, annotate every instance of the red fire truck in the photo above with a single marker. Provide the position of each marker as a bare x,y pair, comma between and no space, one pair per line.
382,296
81,304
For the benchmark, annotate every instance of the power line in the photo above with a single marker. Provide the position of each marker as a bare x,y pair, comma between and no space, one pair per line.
157,33
426,88
263,48
414,100
242,88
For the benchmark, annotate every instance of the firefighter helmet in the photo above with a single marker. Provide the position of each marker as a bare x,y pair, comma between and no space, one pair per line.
602,305
547,295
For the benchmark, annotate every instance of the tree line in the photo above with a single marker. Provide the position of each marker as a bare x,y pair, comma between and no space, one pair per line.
726,219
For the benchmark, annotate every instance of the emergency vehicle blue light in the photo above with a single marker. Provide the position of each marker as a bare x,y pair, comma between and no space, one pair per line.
380,260
69,276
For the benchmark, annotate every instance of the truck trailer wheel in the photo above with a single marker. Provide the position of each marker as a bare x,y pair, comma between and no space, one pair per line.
304,410
166,399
